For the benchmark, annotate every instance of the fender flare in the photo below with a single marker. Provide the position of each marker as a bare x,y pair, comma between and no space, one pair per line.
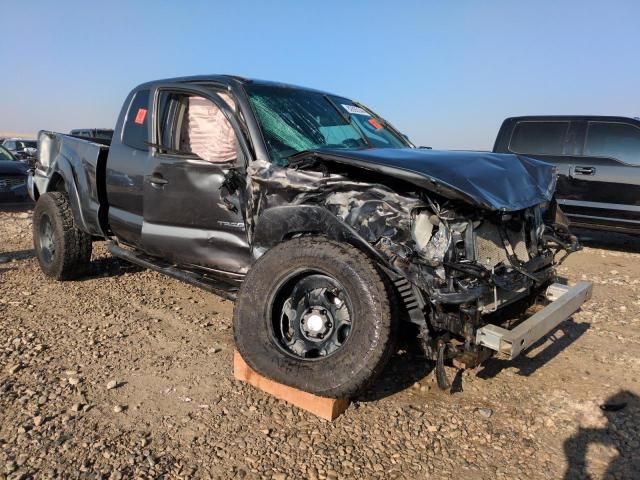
278,223
64,169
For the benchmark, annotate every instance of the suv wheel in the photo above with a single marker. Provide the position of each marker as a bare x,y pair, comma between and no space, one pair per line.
63,251
315,314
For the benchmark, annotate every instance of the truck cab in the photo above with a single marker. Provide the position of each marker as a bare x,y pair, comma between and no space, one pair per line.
598,161
164,179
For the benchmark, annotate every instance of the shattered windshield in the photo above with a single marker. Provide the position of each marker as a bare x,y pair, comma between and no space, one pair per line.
295,120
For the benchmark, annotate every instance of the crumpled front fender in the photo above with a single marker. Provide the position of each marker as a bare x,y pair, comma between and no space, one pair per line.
279,223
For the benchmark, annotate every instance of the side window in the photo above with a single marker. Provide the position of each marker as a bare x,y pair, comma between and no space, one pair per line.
542,138
194,126
5,155
616,140
136,125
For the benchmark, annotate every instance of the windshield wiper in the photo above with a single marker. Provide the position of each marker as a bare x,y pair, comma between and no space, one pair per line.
346,116
383,122
378,118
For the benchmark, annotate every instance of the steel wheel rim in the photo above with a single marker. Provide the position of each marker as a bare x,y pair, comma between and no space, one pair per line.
46,243
311,316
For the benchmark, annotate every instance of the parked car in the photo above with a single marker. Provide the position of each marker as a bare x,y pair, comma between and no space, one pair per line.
23,149
101,133
13,177
598,161
323,222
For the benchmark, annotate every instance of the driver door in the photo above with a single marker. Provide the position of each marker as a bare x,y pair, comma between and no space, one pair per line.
187,217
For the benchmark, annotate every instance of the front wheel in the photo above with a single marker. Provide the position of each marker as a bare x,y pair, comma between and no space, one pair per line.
63,251
315,314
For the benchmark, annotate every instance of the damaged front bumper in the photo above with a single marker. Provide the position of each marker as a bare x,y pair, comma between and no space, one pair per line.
564,302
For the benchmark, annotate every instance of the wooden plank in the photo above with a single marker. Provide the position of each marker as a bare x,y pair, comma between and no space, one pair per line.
323,407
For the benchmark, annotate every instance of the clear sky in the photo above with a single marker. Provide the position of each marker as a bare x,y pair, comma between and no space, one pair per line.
444,72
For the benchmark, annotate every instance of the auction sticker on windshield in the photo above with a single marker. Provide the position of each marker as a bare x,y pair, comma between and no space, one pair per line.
355,110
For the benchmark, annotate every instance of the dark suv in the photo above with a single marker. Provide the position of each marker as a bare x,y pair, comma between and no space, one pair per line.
598,160
22,149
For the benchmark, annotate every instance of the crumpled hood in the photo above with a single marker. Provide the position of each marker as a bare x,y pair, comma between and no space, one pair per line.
13,167
494,181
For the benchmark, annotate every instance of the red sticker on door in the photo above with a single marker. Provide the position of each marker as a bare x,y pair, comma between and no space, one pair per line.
140,116
375,123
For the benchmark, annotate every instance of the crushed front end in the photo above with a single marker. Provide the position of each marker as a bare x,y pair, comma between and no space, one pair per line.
461,268
480,268
465,252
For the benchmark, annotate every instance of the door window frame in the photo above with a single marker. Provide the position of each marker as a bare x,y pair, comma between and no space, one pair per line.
208,93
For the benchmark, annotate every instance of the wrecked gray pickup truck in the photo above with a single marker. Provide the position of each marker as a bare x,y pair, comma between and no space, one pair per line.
324,223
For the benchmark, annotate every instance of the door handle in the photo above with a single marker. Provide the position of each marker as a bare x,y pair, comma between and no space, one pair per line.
585,170
158,181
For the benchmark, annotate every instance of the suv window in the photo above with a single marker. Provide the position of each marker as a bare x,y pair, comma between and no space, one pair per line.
542,138
616,140
5,154
22,144
104,134
136,126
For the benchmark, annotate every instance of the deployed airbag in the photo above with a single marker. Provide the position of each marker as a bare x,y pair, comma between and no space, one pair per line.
210,135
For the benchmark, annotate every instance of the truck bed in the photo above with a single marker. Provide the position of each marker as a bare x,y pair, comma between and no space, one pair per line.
82,163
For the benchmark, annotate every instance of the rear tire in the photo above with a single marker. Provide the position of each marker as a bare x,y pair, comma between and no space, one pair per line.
315,314
63,251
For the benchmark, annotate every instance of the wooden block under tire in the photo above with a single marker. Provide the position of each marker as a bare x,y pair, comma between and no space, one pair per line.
323,407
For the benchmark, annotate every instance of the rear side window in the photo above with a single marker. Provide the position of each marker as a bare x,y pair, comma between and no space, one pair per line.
542,138
136,125
615,140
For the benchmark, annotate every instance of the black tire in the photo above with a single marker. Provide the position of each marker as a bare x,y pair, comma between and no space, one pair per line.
63,251
356,359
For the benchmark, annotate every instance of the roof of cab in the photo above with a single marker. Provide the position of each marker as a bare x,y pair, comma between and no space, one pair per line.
227,79
575,118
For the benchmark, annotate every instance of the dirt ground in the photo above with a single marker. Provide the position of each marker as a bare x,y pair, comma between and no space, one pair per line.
127,373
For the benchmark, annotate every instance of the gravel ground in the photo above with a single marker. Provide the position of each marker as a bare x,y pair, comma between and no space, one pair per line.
128,374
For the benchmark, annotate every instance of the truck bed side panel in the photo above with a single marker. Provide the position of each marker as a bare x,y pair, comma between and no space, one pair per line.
81,165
